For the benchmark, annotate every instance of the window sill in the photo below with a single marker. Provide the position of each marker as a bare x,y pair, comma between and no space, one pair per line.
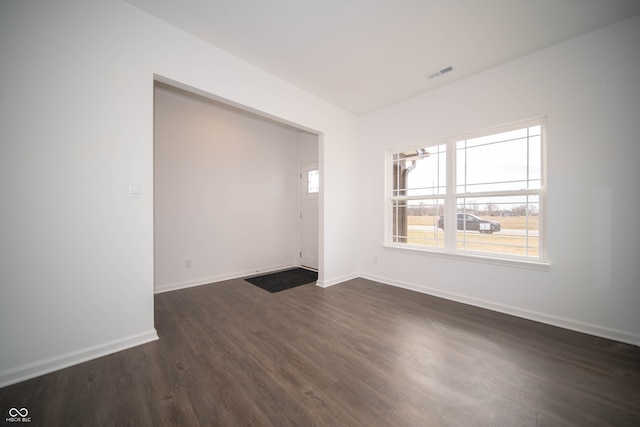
472,257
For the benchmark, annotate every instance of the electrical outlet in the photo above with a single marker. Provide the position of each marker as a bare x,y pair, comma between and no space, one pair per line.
187,263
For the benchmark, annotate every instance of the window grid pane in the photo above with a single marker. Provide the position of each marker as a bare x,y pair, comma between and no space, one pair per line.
502,162
507,225
313,181
416,222
420,172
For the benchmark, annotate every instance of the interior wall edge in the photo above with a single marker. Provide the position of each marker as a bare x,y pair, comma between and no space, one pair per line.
167,83
336,280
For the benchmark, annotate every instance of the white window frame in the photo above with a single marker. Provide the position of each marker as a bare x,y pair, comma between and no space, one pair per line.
450,201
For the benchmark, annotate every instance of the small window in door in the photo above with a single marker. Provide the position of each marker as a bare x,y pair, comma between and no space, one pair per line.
313,181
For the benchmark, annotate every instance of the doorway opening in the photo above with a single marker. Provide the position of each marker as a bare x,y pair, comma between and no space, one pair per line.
226,190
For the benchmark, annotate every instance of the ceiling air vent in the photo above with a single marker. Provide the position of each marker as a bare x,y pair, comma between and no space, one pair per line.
438,73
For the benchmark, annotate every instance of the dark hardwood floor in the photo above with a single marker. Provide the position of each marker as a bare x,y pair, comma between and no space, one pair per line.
355,354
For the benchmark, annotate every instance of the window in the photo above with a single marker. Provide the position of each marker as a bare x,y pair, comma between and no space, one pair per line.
479,194
313,181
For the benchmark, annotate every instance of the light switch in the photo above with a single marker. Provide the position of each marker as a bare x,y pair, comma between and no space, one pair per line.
134,189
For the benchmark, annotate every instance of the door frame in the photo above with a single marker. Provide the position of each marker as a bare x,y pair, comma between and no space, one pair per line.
302,191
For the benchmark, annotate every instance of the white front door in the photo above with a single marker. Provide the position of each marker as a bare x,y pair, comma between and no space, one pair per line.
309,189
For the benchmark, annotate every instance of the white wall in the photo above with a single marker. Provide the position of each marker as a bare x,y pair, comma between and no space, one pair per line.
225,191
589,88
76,127
307,148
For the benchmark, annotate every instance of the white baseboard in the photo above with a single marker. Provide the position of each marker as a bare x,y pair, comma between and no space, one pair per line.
336,280
45,366
220,278
561,322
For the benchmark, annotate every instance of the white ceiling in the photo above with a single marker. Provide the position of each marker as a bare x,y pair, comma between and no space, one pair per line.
364,54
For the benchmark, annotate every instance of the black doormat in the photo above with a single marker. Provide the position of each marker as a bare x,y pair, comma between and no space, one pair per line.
276,282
